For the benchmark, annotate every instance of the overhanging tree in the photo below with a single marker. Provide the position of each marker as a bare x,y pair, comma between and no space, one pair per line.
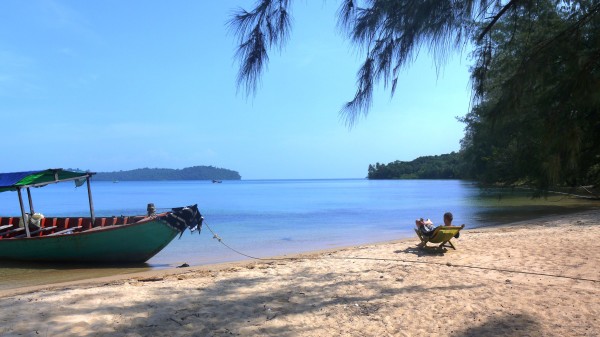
536,93
391,33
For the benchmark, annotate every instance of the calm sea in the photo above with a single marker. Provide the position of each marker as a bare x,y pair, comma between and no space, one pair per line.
265,218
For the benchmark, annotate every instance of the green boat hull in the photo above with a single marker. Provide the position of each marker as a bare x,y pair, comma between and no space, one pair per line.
132,243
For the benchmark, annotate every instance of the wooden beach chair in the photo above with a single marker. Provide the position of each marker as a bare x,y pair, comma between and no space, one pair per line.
441,235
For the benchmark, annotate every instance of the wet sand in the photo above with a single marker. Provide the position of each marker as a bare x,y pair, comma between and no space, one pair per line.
535,278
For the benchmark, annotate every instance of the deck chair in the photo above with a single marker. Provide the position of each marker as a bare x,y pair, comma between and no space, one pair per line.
441,235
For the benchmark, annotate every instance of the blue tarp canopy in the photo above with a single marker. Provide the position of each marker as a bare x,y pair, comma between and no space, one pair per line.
15,180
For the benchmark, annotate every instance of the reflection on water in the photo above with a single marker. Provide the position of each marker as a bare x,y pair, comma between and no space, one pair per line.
269,218
501,206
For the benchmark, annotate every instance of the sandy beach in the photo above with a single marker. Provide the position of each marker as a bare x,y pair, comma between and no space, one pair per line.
536,278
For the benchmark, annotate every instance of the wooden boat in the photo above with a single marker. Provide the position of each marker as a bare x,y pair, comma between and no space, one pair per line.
124,239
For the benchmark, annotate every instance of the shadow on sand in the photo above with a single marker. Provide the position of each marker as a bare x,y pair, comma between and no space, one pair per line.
507,325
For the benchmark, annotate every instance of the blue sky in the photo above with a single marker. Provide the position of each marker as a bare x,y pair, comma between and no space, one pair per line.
118,85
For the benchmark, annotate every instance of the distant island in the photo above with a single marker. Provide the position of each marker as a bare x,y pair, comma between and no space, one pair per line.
188,173
445,166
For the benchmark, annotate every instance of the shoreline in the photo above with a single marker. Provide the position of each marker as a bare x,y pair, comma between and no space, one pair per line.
531,278
165,272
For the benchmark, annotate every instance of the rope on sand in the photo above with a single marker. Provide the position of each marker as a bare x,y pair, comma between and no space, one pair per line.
448,264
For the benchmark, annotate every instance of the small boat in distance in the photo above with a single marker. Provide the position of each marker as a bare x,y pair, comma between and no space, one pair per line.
123,239
217,181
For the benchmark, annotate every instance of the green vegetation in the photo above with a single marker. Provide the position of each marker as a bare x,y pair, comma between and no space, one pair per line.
535,115
445,166
188,173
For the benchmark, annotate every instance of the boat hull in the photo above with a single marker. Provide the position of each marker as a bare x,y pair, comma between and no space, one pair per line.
131,243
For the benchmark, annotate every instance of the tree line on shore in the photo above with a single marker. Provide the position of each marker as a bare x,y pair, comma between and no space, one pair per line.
188,173
535,118
445,166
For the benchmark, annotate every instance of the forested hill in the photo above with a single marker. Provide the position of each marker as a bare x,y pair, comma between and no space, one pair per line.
445,166
188,173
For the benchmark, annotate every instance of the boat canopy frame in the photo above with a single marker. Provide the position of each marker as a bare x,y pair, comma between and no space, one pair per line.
16,181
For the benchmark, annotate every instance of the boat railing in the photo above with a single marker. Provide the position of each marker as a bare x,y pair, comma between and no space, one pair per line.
11,227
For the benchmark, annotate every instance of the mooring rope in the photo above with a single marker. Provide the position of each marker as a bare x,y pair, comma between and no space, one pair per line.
218,238
448,264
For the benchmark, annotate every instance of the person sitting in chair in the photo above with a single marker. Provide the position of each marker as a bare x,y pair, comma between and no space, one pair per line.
426,226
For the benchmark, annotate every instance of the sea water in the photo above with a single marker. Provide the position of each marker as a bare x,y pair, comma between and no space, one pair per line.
263,218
